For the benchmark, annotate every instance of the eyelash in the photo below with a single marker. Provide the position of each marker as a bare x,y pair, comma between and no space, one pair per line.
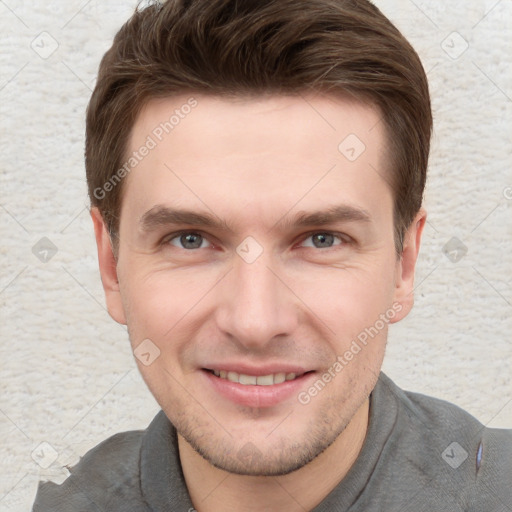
342,237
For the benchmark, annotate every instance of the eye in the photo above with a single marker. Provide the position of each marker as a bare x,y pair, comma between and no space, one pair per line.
323,240
188,240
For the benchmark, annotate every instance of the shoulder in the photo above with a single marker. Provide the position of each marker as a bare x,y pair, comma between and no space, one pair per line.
460,457
107,474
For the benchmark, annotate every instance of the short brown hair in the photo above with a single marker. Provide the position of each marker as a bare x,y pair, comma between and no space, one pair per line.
261,47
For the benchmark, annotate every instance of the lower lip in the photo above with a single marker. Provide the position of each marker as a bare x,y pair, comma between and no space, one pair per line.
257,396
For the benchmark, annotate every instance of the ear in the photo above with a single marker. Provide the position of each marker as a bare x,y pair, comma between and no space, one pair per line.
108,268
404,286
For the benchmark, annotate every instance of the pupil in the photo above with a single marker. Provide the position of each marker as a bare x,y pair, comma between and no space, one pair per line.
191,241
323,239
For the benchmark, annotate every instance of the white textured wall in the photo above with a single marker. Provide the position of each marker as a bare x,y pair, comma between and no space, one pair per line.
67,376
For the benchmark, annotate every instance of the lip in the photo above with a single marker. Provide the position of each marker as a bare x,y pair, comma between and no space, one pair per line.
257,396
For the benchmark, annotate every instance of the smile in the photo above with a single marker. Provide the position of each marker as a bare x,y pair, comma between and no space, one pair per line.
255,380
257,387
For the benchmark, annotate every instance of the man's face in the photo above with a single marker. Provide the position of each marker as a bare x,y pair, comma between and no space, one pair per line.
255,291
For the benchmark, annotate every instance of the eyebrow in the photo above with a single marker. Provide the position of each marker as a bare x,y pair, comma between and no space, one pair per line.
161,215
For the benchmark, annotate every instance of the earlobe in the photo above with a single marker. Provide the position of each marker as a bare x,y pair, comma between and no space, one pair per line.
108,268
404,287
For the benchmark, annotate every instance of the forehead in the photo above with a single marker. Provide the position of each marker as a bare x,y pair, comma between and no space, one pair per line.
215,121
263,154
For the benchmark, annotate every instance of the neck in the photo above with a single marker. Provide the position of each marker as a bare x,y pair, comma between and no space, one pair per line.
214,490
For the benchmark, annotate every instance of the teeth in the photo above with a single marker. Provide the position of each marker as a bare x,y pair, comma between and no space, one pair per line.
279,378
247,379
252,380
264,380
233,376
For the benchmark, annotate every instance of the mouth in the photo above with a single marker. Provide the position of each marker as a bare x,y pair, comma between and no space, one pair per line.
268,388
256,380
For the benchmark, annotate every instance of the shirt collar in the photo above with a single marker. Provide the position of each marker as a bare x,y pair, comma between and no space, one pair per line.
162,482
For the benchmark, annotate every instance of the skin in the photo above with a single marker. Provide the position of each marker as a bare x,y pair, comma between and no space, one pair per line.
252,163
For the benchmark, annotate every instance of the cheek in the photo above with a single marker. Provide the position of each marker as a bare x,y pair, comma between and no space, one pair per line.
348,299
158,302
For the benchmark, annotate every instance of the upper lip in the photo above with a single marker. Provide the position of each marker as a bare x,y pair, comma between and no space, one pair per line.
258,371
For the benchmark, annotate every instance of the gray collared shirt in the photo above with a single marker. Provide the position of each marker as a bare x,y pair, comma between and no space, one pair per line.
420,454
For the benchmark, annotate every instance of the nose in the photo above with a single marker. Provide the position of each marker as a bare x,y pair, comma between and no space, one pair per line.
255,305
